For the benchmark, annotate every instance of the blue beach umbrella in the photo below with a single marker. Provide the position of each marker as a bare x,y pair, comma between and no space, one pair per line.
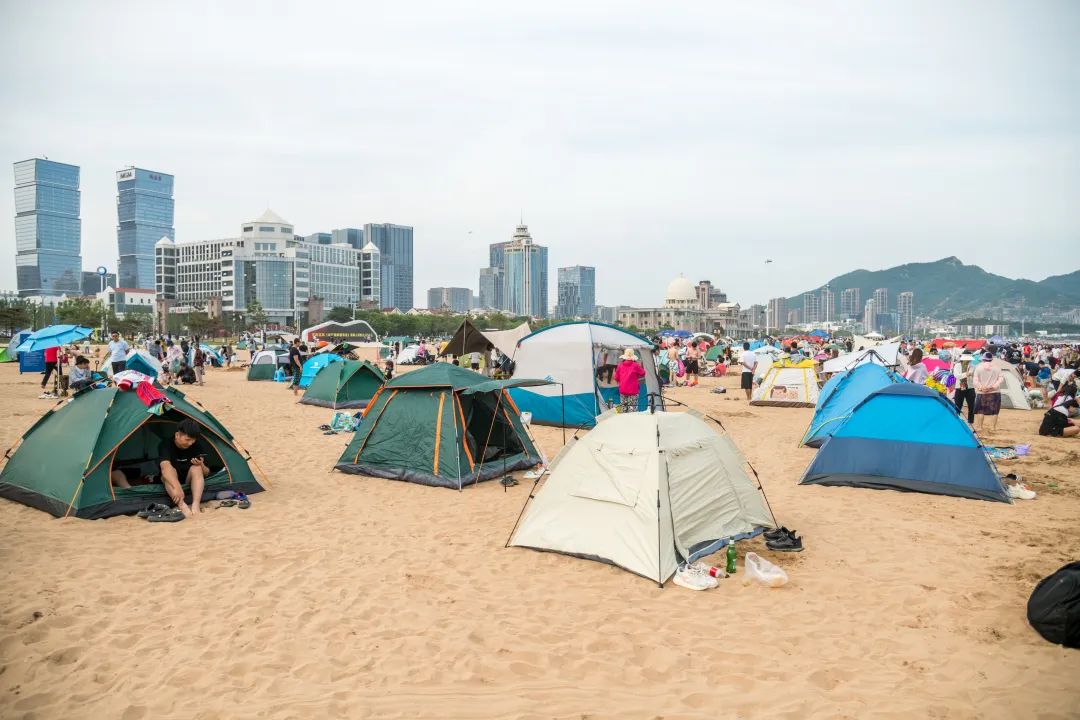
54,336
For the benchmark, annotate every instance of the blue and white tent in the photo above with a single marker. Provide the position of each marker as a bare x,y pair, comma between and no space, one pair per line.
907,437
841,394
572,354
314,364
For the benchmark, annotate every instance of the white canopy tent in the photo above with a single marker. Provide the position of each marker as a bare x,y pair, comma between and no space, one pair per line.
882,354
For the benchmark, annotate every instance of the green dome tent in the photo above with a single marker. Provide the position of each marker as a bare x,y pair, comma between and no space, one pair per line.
443,426
349,384
64,461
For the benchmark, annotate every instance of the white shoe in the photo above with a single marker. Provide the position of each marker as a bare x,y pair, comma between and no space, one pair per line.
1020,492
692,579
702,568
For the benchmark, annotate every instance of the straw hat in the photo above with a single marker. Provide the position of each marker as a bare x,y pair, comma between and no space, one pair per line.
628,354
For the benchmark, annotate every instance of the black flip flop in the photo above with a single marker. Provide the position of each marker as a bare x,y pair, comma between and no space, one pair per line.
153,509
227,503
244,504
170,516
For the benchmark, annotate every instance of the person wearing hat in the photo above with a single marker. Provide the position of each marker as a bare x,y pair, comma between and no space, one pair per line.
964,393
988,381
628,375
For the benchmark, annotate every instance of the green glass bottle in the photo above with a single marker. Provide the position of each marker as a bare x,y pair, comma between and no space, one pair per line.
731,555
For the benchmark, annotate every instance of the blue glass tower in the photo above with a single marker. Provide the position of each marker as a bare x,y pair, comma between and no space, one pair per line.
48,231
144,209
577,292
525,275
395,243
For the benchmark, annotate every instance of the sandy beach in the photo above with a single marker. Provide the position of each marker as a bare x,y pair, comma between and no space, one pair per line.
344,596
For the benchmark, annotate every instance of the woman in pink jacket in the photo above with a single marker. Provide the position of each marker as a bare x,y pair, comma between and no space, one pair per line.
628,375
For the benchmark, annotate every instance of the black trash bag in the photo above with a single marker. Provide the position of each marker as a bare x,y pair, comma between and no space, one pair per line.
1054,607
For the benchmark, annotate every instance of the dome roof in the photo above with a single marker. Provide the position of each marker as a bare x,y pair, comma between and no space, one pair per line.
681,289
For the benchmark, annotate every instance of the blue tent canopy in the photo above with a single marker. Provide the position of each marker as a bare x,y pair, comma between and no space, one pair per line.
682,334
314,364
907,437
819,334
841,394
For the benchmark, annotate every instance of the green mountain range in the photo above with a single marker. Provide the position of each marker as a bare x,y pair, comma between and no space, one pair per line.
947,288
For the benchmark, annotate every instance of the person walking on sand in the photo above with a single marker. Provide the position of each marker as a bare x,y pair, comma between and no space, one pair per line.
987,380
693,362
199,363
748,361
118,350
296,364
628,375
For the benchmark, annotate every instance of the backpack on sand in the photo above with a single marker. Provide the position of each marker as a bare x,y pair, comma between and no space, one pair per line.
1054,607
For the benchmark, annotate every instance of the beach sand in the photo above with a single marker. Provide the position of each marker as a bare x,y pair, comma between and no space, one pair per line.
343,596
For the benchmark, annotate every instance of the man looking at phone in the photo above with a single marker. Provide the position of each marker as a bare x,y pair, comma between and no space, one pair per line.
182,459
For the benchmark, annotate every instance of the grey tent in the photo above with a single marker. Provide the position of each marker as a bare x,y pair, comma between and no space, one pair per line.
645,491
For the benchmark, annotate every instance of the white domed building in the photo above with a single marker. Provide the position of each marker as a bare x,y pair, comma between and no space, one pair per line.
683,309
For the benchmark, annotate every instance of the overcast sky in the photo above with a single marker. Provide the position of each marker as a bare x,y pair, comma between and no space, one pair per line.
645,138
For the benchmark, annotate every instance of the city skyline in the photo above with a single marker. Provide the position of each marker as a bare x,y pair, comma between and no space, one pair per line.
893,154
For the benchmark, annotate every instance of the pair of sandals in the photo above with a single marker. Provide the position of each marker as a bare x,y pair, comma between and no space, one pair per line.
783,540
156,512
241,501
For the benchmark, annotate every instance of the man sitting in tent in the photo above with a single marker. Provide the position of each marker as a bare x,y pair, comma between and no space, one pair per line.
182,458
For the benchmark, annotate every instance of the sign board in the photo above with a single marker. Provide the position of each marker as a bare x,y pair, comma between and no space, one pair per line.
125,175
32,362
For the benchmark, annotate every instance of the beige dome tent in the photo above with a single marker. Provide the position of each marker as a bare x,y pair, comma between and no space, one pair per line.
645,491
788,384
1013,394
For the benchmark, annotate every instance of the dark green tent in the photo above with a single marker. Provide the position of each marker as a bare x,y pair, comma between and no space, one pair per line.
63,463
349,384
441,425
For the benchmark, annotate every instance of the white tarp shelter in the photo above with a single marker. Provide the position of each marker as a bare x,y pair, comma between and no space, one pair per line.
886,352
645,491
469,339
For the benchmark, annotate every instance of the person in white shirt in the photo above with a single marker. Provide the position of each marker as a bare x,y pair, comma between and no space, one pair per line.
474,361
748,362
916,371
118,350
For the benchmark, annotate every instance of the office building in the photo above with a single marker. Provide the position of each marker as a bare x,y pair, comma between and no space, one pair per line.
881,300
93,283
144,211
125,301
268,263
870,316
777,315
48,230
905,311
794,316
348,236
492,292
395,243
319,238
577,292
811,308
497,253
606,314
454,299
850,303
828,305
525,275
681,310
751,321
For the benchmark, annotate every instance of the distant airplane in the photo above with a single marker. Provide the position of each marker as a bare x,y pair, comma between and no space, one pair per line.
768,261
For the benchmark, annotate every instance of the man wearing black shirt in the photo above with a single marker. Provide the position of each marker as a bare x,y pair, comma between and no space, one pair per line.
182,458
296,364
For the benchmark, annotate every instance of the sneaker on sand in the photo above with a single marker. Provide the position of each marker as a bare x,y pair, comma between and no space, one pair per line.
703,569
693,579
1020,492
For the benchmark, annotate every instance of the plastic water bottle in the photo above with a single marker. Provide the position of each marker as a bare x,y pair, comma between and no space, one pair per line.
717,572
732,554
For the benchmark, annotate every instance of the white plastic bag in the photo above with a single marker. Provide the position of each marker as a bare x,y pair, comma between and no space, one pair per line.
760,569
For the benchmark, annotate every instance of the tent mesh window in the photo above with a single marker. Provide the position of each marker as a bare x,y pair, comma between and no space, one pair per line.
479,410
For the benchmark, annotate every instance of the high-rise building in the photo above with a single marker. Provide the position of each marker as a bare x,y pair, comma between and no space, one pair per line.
811,308
828,305
370,276
497,253
577,292
48,230
348,236
850,305
881,300
794,316
93,283
870,316
144,211
525,273
454,299
777,315
492,292
319,238
905,311
395,243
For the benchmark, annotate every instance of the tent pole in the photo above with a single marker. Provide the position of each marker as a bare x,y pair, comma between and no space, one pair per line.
759,487
562,403
483,454
659,556
532,494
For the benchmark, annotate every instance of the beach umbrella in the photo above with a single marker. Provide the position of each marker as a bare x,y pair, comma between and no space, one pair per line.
54,336
831,346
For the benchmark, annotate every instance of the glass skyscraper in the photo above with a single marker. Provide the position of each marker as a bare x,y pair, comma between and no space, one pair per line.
577,292
48,231
525,275
144,209
395,243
